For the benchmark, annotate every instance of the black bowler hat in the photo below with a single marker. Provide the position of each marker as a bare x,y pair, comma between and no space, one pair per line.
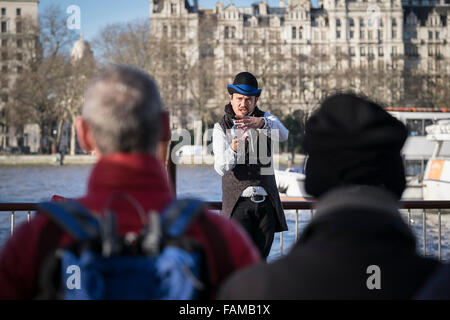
245,83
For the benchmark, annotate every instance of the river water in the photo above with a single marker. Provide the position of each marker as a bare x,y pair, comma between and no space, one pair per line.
40,183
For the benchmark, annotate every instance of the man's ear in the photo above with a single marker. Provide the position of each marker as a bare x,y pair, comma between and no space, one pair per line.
84,133
256,99
165,134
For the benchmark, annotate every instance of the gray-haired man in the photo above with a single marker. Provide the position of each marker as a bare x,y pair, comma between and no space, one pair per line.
121,121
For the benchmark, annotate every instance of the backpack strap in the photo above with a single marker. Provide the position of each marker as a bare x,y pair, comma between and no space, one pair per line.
73,218
179,215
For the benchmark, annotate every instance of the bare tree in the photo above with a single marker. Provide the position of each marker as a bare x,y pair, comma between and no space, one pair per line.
35,95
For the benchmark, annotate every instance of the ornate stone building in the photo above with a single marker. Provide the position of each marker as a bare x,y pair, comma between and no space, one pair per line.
17,18
301,52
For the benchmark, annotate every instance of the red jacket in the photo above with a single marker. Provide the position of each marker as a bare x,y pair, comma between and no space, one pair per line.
144,178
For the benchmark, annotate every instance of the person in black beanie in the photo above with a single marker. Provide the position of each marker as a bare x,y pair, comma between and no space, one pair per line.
242,142
357,246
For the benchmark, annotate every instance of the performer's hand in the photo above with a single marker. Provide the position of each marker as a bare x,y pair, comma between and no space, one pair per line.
250,122
235,142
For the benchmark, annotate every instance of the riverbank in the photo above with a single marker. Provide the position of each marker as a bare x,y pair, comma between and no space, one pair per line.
51,159
54,159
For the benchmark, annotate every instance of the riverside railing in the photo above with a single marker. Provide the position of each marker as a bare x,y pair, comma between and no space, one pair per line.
410,208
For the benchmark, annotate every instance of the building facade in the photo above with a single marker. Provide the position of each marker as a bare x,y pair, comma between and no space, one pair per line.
301,52
18,20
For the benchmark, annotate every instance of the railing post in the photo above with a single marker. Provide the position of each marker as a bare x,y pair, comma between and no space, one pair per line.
424,232
281,243
439,234
409,217
296,225
12,223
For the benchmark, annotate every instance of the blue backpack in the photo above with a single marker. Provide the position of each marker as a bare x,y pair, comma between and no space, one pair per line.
159,263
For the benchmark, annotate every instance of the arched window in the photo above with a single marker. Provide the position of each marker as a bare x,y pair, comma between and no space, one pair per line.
227,31
294,32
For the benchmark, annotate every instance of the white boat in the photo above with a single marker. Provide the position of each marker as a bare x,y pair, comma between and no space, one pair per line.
290,183
436,181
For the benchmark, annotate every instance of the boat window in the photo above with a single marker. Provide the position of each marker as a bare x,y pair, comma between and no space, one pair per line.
415,167
416,127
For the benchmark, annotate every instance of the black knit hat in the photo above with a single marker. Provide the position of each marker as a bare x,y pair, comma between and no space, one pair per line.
245,83
351,140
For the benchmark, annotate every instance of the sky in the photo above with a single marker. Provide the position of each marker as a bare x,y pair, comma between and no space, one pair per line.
96,14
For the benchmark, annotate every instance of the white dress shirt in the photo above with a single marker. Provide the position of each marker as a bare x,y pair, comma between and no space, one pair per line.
225,158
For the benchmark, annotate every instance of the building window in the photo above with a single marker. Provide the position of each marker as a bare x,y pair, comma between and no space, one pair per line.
351,22
18,12
3,11
19,27
437,35
294,32
182,32
4,43
351,34
338,34
233,32
19,56
19,69
430,35
174,31
380,34
173,7
164,30
300,33
352,51
4,29
394,22
380,51
227,31
361,34
362,51
5,83
4,55
361,22
338,22
394,34
19,43
4,69
394,51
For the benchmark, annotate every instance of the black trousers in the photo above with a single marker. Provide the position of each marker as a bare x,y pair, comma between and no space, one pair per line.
258,219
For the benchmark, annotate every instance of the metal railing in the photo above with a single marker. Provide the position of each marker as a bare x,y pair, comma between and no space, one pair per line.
407,210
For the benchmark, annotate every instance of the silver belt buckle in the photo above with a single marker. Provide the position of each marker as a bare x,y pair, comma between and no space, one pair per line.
253,198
